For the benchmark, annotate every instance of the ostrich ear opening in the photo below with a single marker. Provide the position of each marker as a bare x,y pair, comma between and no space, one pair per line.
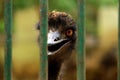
38,26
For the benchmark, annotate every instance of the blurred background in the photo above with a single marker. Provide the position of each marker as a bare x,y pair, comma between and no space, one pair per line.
101,24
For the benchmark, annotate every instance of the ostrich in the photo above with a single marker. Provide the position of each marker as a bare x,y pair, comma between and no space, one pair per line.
61,42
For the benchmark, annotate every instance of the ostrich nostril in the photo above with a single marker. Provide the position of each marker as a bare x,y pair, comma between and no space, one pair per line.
57,39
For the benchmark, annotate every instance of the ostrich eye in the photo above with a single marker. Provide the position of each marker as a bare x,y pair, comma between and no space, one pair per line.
69,32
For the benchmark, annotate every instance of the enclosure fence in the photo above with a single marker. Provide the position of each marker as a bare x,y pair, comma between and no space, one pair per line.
43,42
8,32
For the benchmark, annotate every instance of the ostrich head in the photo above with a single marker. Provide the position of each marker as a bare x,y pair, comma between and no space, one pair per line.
61,41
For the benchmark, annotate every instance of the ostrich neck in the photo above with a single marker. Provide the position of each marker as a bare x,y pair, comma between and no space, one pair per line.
55,62
53,69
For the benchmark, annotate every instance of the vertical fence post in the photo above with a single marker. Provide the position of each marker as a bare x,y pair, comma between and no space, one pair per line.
43,40
119,43
8,33
80,42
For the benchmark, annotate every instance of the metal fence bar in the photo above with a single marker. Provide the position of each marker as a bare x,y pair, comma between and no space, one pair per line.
8,33
43,40
119,44
80,42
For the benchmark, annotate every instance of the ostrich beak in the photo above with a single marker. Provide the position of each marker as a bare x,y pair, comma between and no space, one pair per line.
55,43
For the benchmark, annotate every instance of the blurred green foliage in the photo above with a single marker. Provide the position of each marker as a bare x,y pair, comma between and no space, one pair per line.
1,26
64,5
109,2
1,17
21,4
